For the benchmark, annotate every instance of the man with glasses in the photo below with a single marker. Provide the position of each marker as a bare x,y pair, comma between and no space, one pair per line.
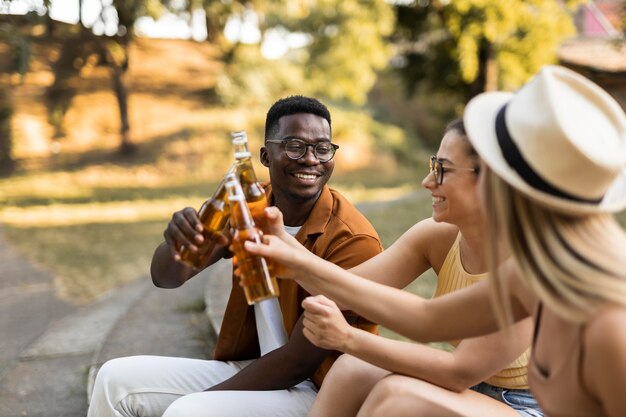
246,378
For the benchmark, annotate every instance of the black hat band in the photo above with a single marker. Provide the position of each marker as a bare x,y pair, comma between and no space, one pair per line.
514,158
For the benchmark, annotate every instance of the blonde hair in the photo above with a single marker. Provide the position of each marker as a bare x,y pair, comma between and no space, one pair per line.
575,264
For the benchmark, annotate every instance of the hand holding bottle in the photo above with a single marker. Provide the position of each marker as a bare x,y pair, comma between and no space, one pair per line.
290,256
185,230
257,275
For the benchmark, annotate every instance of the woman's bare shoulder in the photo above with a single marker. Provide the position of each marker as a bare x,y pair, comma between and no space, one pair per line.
606,326
432,239
604,366
433,231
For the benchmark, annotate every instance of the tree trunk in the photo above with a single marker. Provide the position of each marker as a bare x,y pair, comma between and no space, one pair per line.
7,164
119,68
50,26
121,94
487,78
212,29
80,13
491,71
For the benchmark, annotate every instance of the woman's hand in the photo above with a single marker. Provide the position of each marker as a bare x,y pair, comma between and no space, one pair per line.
277,228
289,255
324,324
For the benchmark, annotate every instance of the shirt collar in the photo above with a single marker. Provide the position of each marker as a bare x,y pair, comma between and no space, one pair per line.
320,213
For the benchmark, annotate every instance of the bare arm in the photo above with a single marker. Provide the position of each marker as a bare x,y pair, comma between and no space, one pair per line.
462,314
183,229
473,361
282,368
410,256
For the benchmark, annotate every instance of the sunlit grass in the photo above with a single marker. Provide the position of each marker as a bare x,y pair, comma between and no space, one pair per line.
89,259
97,227
92,213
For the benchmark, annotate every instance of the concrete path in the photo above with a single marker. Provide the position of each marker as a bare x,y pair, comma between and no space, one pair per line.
27,304
49,348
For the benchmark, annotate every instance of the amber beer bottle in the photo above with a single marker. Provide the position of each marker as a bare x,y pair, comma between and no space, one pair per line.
252,189
258,281
213,215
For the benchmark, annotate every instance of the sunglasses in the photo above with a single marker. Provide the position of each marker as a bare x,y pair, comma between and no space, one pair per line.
436,166
296,148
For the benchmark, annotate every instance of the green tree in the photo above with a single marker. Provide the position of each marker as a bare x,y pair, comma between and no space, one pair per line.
345,47
79,44
16,53
471,46
115,51
216,12
348,43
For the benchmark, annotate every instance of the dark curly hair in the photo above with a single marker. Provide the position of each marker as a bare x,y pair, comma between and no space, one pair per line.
292,105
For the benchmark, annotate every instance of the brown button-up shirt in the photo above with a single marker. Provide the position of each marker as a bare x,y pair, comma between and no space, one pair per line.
334,231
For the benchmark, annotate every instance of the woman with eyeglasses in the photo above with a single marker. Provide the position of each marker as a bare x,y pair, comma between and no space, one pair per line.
451,242
553,172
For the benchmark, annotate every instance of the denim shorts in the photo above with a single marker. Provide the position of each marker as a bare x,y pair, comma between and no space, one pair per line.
521,400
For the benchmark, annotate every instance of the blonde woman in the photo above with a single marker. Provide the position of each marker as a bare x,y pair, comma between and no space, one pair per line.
554,168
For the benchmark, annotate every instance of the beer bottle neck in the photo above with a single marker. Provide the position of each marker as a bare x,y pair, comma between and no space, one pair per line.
220,192
243,155
245,170
240,145
241,213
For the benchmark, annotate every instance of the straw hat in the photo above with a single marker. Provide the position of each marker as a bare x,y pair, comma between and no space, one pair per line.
560,140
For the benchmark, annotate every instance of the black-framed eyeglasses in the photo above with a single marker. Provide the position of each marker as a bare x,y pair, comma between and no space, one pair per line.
296,148
436,165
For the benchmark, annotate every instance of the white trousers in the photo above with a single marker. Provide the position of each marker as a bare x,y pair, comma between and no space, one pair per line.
155,386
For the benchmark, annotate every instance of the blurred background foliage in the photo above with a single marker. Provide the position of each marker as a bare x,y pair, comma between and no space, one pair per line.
471,46
105,131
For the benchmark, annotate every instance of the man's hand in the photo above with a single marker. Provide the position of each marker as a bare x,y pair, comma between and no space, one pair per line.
324,324
185,229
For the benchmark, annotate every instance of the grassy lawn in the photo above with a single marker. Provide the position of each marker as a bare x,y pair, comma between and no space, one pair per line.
97,228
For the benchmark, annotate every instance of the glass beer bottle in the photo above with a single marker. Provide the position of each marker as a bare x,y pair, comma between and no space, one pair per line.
257,278
252,189
213,215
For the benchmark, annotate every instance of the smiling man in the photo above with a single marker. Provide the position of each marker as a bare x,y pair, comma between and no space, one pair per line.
256,371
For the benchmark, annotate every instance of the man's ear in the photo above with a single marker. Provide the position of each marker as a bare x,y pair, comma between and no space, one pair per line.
265,159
